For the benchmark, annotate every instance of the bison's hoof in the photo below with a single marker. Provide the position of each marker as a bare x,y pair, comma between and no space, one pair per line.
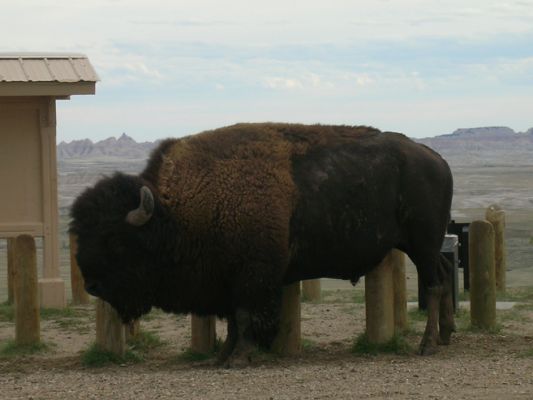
427,347
445,334
445,338
241,356
240,361
427,350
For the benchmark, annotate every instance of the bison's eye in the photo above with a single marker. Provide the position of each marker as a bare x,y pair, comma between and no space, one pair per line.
116,247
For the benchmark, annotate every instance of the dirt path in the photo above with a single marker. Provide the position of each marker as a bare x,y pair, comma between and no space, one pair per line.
475,366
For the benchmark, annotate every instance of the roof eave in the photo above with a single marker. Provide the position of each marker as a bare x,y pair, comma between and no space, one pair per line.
41,55
46,88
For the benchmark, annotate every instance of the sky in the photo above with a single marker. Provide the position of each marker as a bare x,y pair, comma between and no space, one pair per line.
174,68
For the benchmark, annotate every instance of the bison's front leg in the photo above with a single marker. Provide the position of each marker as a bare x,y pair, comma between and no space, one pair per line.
249,329
255,321
239,346
230,342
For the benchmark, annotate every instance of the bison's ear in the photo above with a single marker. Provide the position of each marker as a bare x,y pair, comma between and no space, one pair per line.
143,213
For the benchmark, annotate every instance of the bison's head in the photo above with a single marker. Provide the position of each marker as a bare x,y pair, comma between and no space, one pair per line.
117,243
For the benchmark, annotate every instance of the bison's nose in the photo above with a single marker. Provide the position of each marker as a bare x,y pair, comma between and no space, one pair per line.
93,288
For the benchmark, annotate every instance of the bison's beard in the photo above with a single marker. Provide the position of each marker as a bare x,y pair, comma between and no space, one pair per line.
129,313
129,307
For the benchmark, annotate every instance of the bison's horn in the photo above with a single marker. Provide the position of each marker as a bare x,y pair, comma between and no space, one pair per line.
143,213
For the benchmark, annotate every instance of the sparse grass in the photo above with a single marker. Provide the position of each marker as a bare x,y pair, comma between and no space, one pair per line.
524,306
519,294
308,344
412,297
514,314
192,356
68,319
309,301
152,315
65,317
73,325
12,349
7,312
58,313
415,314
463,296
359,297
145,341
527,354
397,345
496,329
462,319
189,355
139,346
95,357
341,296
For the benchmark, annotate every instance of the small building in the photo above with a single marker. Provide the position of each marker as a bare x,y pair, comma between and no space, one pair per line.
30,84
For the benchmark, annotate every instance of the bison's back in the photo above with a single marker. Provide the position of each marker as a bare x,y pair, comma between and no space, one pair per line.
327,198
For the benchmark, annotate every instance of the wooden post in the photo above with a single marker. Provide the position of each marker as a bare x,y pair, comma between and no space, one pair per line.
27,319
400,291
10,270
379,298
496,216
311,290
482,275
203,334
110,333
288,340
79,295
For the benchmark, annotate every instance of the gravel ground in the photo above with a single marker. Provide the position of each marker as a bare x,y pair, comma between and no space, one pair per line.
475,366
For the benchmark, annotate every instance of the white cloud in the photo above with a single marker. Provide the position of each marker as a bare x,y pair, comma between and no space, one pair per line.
363,80
140,68
282,83
326,55
306,81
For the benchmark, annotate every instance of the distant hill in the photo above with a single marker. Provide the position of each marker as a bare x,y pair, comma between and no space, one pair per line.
82,163
123,147
485,146
487,136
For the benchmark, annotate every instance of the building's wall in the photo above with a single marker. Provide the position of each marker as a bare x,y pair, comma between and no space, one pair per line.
20,167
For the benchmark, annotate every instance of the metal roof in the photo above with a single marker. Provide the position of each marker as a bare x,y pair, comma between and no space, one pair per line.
46,67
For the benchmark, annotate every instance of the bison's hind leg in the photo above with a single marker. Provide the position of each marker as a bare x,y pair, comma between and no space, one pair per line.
428,267
436,274
446,320
429,342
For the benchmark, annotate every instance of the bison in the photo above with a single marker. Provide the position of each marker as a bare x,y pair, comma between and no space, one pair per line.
219,222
